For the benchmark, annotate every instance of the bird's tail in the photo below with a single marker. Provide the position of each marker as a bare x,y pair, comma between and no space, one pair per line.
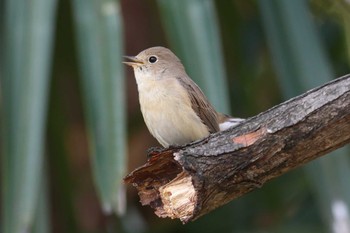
225,121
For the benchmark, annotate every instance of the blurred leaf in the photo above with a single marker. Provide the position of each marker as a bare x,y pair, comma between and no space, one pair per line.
42,217
27,40
193,31
99,40
342,7
301,64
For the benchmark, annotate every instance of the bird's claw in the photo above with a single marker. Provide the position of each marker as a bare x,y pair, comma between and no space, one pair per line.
153,151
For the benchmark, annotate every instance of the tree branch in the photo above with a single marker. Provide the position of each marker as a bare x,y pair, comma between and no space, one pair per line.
189,181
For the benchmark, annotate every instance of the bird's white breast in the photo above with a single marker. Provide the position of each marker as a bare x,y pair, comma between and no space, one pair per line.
167,111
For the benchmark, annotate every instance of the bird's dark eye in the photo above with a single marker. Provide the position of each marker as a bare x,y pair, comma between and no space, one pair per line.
152,59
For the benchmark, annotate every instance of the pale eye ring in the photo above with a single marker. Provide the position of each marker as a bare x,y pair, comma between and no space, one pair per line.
152,59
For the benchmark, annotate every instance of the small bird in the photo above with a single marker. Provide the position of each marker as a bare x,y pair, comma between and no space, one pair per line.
174,108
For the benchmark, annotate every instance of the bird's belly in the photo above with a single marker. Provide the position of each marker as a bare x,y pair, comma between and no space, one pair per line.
172,122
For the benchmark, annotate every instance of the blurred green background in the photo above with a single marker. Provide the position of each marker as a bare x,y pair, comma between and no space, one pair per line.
71,127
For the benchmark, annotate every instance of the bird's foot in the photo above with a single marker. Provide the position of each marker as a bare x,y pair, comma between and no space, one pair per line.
153,151
156,150
175,146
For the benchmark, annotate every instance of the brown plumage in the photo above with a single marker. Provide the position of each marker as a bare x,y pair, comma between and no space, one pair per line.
201,105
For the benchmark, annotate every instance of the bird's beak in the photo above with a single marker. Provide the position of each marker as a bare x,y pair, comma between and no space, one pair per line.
134,61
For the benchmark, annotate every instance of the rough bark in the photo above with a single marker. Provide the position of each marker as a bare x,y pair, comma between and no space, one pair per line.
189,181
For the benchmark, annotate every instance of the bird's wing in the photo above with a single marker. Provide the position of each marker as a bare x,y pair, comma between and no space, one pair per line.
204,110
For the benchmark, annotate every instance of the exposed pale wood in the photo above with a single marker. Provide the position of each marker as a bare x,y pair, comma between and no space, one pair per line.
189,181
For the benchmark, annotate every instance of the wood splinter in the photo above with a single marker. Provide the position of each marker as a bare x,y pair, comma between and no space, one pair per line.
189,181
178,197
